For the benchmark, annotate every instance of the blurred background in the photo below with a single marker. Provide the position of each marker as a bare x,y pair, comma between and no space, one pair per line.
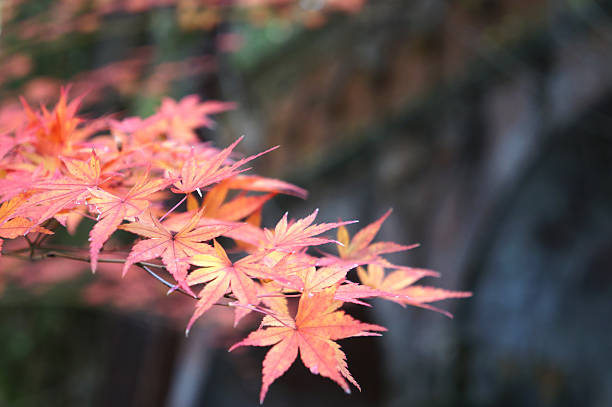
484,124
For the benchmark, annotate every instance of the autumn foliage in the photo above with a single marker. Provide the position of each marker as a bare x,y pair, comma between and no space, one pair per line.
195,215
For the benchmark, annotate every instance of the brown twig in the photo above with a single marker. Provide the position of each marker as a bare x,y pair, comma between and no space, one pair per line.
88,260
144,265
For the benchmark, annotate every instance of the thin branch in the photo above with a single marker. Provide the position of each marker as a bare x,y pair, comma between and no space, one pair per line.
16,251
88,260
38,238
41,238
144,265
30,243
62,248
280,295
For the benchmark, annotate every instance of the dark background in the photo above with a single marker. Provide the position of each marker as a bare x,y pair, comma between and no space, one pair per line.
486,125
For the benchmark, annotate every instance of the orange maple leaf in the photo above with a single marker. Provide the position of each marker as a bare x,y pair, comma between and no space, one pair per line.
239,207
221,274
360,250
112,210
398,286
65,192
317,325
178,120
262,184
300,274
197,174
58,132
12,226
289,236
18,182
174,248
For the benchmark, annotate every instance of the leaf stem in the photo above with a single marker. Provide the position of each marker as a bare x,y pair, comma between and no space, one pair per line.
260,310
166,283
173,208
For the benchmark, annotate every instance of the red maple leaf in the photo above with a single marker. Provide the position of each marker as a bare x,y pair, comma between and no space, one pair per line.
317,325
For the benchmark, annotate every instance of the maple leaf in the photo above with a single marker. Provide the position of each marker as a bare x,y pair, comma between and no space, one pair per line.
178,120
262,184
18,182
221,274
353,292
12,226
312,333
300,274
112,210
174,248
58,131
48,169
360,249
197,174
7,144
398,286
239,207
288,236
66,192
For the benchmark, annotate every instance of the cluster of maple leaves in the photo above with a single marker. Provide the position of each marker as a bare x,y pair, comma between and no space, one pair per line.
57,168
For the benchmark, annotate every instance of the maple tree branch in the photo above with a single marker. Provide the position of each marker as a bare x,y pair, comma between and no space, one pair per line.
289,294
61,248
16,251
144,265
18,255
88,260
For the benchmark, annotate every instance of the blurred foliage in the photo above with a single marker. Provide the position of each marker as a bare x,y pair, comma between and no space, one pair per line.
133,52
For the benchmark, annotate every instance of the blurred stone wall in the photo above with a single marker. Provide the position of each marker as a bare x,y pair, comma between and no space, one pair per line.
486,126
